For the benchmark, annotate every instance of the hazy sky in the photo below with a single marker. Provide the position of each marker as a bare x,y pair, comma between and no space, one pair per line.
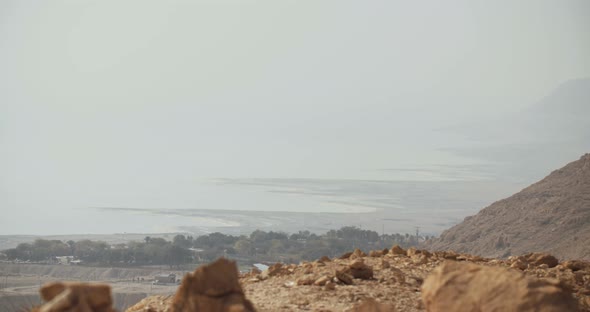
127,102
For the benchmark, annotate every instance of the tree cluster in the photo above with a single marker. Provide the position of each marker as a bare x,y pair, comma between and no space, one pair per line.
156,251
304,245
258,246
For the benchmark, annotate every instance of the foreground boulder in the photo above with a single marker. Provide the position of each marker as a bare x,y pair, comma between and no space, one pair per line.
576,265
397,250
538,259
276,269
155,303
358,269
459,286
79,297
371,305
212,287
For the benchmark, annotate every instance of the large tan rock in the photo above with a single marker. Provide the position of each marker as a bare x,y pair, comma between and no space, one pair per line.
345,255
77,297
537,259
158,303
576,265
276,269
344,277
358,269
449,255
322,280
459,286
519,265
212,287
412,251
357,253
397,250
306,280
375,253
371,305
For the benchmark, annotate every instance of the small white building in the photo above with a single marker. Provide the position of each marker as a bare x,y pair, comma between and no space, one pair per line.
65,260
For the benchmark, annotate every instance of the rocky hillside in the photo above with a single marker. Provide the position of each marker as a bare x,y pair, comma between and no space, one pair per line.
552,215
384,280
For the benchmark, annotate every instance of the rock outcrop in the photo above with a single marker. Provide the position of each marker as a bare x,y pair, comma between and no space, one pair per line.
76,297
457,286
371,305
552,215
156,303
359,269
213,287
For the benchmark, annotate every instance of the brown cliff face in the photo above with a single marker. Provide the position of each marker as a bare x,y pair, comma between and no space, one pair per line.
552,215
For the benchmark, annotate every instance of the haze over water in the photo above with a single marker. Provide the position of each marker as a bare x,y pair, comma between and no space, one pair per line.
146,116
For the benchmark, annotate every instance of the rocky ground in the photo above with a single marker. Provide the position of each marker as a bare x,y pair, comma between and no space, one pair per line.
385,280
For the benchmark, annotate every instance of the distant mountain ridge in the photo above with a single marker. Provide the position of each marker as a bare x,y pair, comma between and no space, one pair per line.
571,97
555,129
552,215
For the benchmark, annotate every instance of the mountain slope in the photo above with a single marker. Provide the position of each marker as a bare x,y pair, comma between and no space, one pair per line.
552,215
